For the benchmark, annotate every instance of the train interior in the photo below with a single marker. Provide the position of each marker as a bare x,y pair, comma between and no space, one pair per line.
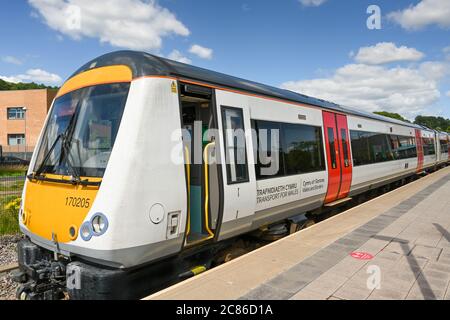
201,170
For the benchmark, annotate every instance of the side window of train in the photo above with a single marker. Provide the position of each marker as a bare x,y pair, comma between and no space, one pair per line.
285,149
444,146
302,148
369,147
428,146
235,145
268,155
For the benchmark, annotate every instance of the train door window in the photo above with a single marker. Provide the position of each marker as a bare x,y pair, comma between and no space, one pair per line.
332,147
235,145
345,147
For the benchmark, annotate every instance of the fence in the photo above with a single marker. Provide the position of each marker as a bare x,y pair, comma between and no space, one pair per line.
10,196
18,151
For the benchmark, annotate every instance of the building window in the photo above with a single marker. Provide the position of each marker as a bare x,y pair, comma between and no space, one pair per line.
16,139
16,113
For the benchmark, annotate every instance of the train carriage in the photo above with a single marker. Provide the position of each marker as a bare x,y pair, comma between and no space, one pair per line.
148,167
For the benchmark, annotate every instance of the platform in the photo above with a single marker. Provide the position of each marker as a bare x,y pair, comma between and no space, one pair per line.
406,231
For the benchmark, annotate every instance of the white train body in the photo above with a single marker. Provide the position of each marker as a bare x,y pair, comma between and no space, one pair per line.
151,201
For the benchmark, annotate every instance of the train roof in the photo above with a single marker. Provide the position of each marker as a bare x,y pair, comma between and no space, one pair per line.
144,64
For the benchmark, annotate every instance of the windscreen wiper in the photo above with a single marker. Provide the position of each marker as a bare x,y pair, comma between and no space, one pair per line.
47,155
65,148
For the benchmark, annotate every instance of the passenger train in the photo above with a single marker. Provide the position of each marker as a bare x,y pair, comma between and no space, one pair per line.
109,209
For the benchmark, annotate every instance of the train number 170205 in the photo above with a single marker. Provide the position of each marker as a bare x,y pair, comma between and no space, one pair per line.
78,202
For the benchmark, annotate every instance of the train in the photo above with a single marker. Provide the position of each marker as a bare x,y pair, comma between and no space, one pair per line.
148,169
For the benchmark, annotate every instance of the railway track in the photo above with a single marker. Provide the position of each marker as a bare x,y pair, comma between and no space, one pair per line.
7,285
8,264
8,268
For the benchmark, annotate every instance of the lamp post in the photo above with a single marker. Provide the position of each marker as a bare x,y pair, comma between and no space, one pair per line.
25,138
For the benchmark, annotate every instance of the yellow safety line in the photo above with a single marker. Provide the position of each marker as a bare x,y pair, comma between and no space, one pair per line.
188,171
205,157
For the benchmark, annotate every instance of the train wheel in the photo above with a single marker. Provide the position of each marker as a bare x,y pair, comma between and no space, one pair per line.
22,293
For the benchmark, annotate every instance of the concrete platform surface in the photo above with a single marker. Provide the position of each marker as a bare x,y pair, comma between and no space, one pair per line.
403,244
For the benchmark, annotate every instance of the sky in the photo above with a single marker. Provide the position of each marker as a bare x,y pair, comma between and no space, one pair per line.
322,48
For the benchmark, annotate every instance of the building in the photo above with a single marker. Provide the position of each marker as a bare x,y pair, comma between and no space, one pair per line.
22,116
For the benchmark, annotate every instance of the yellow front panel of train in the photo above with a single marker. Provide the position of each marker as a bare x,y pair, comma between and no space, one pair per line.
53,208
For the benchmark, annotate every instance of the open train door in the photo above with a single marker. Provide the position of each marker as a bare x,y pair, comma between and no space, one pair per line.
339,161
239,188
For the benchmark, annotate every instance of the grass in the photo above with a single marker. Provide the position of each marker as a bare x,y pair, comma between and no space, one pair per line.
13,171
9,215
11,186
10,192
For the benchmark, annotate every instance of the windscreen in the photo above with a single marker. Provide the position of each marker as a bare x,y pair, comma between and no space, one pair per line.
81,131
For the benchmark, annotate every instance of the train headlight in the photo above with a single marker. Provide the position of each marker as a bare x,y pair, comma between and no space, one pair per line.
99,224
86,231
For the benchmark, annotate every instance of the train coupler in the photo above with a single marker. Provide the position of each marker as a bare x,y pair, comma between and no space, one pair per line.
40,277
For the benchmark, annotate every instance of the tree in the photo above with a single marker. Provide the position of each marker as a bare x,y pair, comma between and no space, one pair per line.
391,115
437,123
4,86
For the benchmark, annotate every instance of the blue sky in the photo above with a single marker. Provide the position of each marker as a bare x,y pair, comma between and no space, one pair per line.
318,47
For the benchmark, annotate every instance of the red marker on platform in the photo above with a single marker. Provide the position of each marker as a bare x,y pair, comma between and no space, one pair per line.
362,255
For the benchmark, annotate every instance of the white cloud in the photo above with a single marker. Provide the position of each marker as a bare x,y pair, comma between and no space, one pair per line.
132,24
387,52
448,93
426,12
202,52
446,51
12,60
35,75
434,70
407,91
177,56
312,3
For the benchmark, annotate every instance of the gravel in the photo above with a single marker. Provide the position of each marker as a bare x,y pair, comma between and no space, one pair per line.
7,288
8,255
